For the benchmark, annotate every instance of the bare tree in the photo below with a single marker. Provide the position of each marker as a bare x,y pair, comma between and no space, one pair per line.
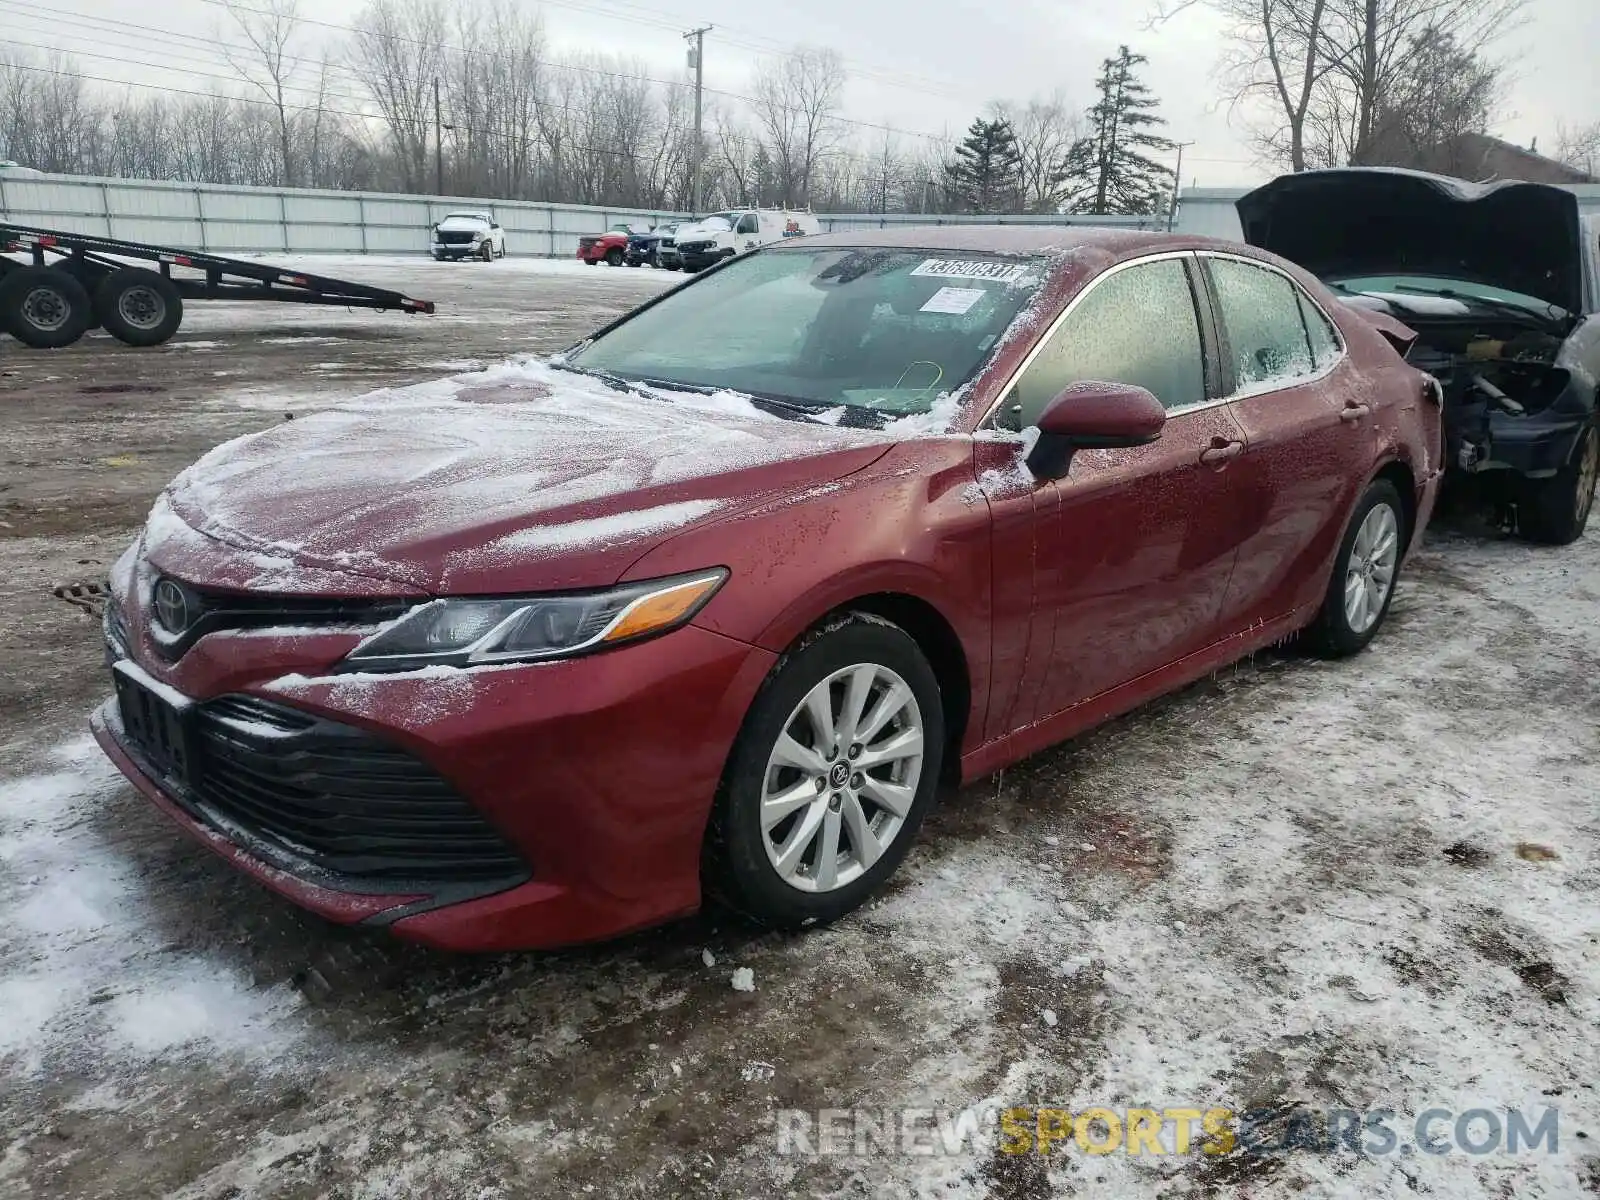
1579,148
1448,92
1046,131
398,53
797,102
1327,69
269,26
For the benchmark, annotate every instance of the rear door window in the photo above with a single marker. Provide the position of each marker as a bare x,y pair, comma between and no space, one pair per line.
1263,325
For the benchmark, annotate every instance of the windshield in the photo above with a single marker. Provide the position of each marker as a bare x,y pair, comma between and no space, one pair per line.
883,329
1407,288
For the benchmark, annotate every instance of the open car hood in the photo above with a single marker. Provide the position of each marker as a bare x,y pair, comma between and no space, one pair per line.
1524,237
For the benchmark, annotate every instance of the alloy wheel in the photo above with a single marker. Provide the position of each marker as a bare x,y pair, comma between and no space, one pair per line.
1371,570
1588,473
842,778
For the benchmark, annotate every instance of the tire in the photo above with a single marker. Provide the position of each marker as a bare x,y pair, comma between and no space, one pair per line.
1555,511
613,257
740,865
438,258
138,307
487,253
44,307
1337,632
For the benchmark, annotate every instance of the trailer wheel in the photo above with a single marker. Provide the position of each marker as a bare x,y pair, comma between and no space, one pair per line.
141,308
44,307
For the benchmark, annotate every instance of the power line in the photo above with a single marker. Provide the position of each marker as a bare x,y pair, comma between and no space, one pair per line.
492,54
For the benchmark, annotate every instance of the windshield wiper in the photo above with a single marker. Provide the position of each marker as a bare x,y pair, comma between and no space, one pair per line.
1506,307
615,382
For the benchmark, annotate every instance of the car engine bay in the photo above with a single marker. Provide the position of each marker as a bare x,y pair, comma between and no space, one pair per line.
1484,373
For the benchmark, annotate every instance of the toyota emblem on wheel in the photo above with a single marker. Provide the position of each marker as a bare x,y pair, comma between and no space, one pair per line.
172,606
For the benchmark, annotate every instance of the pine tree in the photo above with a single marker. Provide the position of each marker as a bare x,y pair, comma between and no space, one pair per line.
986,173
1106,171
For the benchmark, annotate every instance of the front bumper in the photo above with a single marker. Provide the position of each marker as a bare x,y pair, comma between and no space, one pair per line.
1479,439
600,772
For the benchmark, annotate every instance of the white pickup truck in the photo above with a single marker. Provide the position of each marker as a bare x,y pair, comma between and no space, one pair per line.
722,235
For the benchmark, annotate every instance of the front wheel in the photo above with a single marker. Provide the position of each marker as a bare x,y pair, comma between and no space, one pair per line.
1364,574
613,258
1555,511
829,779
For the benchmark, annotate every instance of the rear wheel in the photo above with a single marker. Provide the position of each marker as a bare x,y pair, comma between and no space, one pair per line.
1364,574
1556,511
44,307
835,766
141,308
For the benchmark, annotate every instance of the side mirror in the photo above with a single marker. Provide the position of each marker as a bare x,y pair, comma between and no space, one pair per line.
1093,416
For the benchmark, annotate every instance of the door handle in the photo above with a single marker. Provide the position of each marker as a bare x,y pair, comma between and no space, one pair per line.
1221,452
1354,410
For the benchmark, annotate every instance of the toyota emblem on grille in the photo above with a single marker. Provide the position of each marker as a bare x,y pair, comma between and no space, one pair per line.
172,606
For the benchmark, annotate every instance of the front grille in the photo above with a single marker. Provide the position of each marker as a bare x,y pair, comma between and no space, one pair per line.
336,797
696,247
211,611
454,237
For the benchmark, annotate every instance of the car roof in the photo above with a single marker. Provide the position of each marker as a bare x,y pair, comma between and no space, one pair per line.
1010,239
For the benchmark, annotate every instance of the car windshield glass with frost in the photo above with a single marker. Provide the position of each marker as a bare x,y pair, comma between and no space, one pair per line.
888,330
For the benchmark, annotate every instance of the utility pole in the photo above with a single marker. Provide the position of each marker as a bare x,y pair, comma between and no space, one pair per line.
438,141
1177,182
697,60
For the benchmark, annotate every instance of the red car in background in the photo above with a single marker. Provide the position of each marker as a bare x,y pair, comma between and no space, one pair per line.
609,247
681,611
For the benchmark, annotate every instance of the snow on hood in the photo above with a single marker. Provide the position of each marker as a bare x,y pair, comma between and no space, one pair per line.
464,221
518,476
1523,237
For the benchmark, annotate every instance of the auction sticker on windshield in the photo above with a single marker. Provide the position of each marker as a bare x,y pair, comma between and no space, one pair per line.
998,272
953,300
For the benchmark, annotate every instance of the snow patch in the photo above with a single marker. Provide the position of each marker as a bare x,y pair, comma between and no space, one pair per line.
84,971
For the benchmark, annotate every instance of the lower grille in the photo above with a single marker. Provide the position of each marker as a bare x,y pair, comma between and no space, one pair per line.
338,798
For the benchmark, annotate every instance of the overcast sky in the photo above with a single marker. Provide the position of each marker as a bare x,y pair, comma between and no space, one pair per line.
922,67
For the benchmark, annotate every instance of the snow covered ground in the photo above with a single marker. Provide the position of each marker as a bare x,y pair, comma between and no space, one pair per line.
1297,886
1362,885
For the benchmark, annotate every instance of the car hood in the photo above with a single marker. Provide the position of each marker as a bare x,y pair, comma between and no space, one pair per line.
1524,237
508,481
688,233
464,224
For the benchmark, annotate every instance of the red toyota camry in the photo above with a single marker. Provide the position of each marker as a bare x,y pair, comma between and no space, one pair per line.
714,601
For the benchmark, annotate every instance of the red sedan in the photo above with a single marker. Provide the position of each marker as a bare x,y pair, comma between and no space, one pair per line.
717,600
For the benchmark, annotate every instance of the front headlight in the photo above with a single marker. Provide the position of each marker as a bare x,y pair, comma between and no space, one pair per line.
469,632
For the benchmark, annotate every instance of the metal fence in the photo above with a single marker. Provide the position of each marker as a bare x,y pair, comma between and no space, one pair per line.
226,220
242,219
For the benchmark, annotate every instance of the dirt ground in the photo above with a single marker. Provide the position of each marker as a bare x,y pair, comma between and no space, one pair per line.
1297,886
